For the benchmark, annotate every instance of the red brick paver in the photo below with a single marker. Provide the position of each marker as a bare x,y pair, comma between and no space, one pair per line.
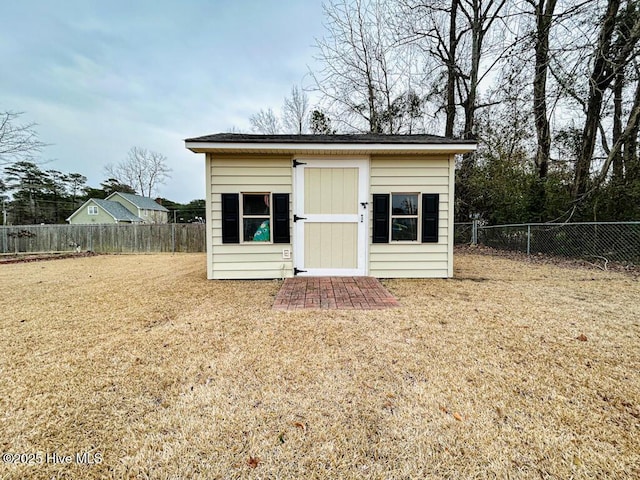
349,293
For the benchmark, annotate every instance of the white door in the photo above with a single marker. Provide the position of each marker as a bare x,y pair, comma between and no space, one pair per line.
331,217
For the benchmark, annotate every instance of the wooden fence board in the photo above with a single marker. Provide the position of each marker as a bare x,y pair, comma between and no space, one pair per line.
149,238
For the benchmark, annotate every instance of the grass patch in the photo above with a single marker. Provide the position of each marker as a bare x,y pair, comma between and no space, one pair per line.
511,370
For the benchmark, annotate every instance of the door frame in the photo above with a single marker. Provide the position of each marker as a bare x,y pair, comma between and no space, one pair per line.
362,164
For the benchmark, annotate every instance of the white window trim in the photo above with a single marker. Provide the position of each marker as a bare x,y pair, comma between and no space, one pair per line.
92,210
243,216
417,216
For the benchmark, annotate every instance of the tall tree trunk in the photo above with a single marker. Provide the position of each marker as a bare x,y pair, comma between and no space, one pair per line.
630,132
630,157
477,35
544,16
617,165
599,80
469,103
450,108
630,160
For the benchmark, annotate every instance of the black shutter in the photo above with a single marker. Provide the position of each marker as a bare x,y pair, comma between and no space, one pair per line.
430,207
230,218
281,218
381,218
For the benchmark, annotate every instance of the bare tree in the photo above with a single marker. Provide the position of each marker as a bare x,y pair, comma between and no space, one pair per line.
617,45
265,121
480,17
18,141
631,135
143,169
463,46
624,141
543,11
366,74
295,111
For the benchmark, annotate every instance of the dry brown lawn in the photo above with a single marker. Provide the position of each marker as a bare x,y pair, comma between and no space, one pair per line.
143,363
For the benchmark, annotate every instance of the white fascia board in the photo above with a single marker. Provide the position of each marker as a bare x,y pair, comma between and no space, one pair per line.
203,147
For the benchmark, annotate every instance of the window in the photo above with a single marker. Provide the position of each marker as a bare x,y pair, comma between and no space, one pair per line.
92,210
404,217
256,217
398,216
258,208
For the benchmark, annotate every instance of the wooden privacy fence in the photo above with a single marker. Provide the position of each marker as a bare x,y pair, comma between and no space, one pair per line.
123,238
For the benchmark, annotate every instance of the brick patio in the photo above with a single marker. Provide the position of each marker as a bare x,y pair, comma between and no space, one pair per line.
349,293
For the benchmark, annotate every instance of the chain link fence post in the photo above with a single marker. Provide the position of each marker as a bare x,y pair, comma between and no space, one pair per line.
474,231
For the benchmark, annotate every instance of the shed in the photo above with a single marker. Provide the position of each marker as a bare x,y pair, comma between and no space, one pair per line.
320,205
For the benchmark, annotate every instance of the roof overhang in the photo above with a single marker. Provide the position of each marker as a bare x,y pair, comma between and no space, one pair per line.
329,148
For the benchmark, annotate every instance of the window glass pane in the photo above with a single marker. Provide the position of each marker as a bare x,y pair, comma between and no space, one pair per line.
257,204
404,229
404,204
256,230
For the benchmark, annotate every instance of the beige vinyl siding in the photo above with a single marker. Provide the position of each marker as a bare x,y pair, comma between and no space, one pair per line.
157,216
413,174
245,174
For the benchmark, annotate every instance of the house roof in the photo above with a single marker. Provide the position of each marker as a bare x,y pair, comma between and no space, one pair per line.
347,138
139,201
116,210
352,144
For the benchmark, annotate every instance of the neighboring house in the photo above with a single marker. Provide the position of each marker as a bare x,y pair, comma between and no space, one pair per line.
119,208
97,211
144,207
283,205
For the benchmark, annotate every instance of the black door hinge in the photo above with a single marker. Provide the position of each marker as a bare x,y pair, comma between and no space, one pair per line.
296,271
296,163
296,218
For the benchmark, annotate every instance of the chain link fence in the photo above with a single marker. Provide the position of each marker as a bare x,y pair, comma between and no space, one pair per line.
463,233
613,241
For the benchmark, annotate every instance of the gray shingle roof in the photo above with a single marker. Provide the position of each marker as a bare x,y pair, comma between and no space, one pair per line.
118,211
139,201
353,138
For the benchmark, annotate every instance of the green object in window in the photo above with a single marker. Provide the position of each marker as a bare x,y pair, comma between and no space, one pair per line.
263,234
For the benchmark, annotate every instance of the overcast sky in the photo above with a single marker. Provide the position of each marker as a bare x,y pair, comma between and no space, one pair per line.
99,77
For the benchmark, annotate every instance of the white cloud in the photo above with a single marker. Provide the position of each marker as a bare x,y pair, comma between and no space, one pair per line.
100,77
